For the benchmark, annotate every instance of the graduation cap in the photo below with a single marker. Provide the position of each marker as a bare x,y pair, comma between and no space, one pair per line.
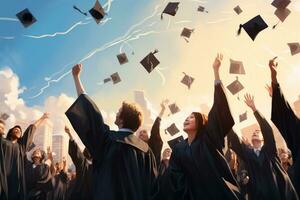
172,143
79,10
170,9
115,78
236,67
294,48
235,87
280,4
172,130
97,12
31,146
150,61
174,108
26,18
253,27
4,116
282,14
187,80
122,58
238,10
243,117
202,9
186,33
107,80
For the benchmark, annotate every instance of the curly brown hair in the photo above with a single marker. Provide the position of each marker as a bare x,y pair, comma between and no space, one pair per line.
131,115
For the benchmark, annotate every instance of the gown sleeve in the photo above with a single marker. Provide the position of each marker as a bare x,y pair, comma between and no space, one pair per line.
76,156
87,121
155,142
285,120
220,120
237,145
27,139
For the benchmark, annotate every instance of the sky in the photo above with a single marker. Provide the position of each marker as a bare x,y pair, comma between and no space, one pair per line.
35,62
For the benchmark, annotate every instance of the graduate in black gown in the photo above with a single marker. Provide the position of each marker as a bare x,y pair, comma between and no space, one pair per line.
3,181
123,165
82,189
268,179
164,163
38,175
155,142
198,169
14,149
287,123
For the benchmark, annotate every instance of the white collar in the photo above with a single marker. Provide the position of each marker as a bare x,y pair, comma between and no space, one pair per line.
126,130
258,149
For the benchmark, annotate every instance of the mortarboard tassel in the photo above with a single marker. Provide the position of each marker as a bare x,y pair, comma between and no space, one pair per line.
76,8
240,29
276,24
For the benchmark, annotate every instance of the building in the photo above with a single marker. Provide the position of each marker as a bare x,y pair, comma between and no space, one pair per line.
43,135
59,147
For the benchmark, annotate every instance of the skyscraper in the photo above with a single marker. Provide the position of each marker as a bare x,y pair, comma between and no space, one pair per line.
43,135
59,147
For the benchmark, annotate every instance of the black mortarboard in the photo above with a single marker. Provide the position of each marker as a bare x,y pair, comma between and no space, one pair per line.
122,58
170,9
172,130
97,12
238,10
294,48
243,117
26,18
174,108
281,4
186,33
202,9
150,61
236,67
172,143
107,80
253,27
115,78
187,80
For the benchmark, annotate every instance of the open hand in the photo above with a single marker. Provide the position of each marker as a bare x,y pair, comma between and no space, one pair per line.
249,100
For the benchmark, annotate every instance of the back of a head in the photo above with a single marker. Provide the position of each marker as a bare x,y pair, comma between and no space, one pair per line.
132,116
201,121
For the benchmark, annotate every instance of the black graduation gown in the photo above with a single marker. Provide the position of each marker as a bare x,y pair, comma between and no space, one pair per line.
59,184
38,180
123,165
268,179
155,142
14,155
289,126
199,170
82,189
3,181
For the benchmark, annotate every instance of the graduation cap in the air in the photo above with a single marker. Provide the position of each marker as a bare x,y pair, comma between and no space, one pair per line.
31,146
235,87
238,10
294,48
172,143
97,12
281,4
106,80
243,117
26,18
253,27
282,14
122,58
115,78
172,130
201,9
174,108
236,67
4,116
170,9
150,61
187,80
186,33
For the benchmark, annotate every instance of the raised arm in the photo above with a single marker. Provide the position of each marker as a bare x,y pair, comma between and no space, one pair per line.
282,114
237,145
87,121
76,76
220,120
266,129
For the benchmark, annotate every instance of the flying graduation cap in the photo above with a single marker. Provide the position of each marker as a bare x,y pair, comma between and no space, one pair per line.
238,9
122,58
4,116
294,48
79,10
235,87
26,18
187,80
201,9
174,108
243,117
97,12
281,12
172,130
253,27
236,67
172,143
170,9
150,61
280,4
115,78
186,33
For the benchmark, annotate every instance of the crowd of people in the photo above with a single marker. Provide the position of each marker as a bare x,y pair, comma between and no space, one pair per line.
129,163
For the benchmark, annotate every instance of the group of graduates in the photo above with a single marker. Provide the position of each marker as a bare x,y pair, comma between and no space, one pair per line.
123,164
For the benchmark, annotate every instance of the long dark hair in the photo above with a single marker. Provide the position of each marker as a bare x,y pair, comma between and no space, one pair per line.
201,122
10,132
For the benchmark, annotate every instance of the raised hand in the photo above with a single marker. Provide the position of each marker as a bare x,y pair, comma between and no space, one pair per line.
64,162
166,154
67,130
45,116
269,89
40,121
163,106
76,70
218,61
273,68
49,153
249,100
